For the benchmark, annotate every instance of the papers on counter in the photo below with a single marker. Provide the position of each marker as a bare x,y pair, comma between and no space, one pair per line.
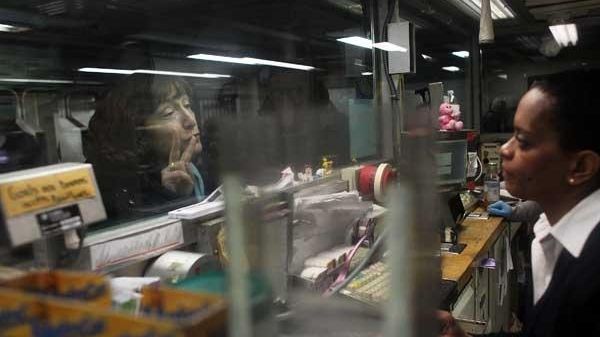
212,204
197,210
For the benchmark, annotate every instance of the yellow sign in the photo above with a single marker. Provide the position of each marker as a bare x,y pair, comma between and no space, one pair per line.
33,194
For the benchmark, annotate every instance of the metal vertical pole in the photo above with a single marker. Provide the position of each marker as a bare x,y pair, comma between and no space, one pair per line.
399,313
239,301
476,85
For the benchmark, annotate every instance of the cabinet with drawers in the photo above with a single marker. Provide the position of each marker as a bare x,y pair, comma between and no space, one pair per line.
483,305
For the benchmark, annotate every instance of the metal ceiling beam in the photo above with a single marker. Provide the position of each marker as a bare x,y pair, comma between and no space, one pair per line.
37,21
534,3
521,29
521,11
435,15
541,27
567,9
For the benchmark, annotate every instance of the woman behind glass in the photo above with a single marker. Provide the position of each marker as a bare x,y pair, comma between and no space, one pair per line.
143,141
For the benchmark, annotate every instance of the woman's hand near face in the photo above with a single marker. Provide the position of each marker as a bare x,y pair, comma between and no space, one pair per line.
176,176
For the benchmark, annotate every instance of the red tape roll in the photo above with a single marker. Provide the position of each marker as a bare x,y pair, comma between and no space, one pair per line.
366,180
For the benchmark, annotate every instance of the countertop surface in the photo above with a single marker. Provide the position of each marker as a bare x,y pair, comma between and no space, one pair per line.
478,235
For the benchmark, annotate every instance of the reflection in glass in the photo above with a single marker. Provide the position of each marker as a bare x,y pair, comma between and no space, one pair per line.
143,141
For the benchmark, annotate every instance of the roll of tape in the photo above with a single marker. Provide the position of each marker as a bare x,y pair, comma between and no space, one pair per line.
381,177
366,178
176,265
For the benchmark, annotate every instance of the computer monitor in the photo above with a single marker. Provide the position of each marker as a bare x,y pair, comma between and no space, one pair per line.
452,211
451,158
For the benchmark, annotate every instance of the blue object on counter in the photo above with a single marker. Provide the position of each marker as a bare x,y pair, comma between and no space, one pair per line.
500,208
215,282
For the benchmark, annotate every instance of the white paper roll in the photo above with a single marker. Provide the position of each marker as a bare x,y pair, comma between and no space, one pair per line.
176,265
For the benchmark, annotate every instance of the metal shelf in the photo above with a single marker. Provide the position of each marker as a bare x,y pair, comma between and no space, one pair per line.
139,240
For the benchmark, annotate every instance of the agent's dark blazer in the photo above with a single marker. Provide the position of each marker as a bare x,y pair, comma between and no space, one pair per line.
570,307
571,304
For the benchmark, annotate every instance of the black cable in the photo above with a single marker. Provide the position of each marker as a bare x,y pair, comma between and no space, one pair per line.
391,7
366,18
384,36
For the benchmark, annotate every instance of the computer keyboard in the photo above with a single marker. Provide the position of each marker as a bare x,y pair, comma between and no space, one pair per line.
370,285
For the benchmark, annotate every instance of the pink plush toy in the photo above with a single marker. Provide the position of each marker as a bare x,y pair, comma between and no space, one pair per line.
450,117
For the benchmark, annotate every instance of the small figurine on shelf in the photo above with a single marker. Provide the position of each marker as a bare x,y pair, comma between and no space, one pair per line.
327,165
450,115
307,175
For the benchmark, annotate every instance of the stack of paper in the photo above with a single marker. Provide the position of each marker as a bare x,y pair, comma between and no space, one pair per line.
212,204
197,210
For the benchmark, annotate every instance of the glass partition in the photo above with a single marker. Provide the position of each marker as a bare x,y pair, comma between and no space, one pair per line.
141,89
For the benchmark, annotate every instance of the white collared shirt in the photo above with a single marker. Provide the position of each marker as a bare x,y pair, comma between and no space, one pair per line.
570,232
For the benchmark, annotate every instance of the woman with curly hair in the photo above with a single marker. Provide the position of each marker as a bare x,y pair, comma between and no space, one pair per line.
142,141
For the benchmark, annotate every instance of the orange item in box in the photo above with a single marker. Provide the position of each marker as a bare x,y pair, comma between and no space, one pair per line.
27,315
196,314
87,287
17,309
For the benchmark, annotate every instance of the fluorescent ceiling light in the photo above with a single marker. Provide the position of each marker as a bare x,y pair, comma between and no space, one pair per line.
501,9
176,73
451,68
366,43
498,8
250,61
154,72
462,54
565,35
12,29
367,73
388,46
106,71
218,58
357,41
35,80
278,64
427,57
44,81
502,76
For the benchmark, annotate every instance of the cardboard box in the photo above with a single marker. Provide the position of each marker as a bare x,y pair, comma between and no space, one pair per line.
195,314
86,287
27,315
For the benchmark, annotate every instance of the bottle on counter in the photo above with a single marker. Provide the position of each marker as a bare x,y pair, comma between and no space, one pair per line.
491,185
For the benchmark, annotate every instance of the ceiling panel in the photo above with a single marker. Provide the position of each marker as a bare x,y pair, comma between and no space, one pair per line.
532,3
565,9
